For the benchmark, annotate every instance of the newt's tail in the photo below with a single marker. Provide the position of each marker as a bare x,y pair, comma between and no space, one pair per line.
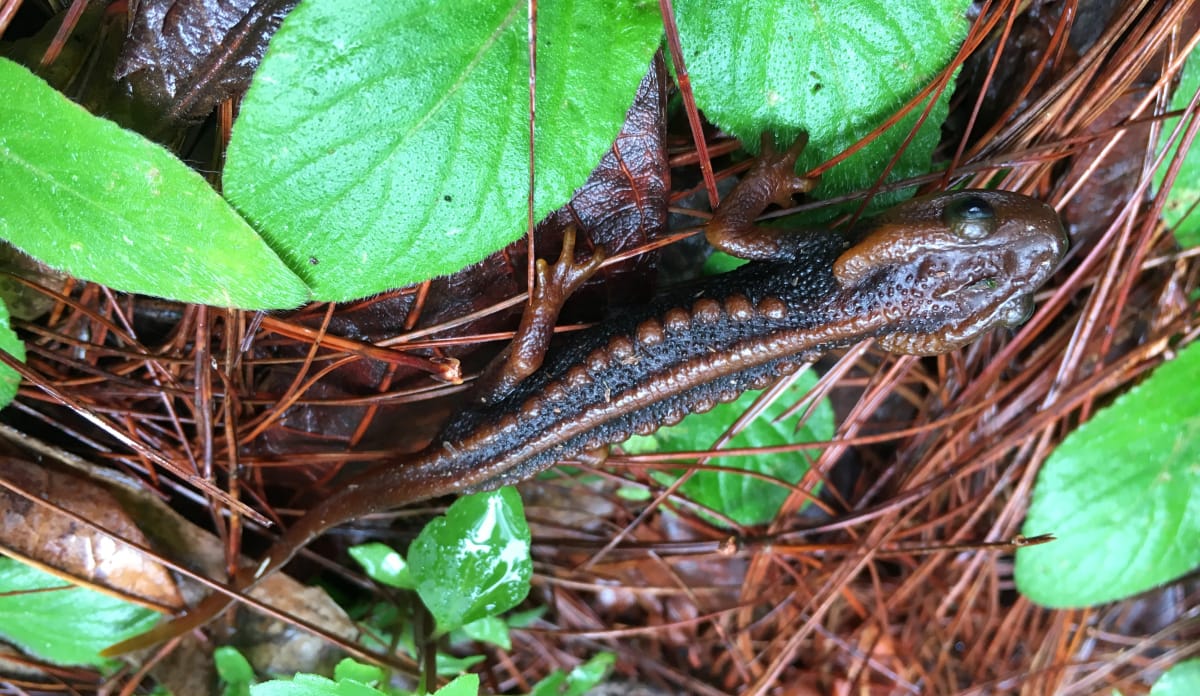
199,615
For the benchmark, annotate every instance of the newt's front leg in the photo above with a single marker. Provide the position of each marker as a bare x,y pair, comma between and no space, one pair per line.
771,180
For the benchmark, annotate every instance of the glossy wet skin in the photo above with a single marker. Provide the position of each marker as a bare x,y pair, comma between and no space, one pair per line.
950,267
924,277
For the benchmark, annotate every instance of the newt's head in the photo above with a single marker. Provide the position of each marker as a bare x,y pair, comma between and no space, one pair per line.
947,268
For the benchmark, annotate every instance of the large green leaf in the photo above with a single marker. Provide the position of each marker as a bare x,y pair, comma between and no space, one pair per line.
1120,496
81,194
62,623
384,142
834,70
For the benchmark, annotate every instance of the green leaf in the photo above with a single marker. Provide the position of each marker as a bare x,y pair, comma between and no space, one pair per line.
489,630
579,680
383,564
553,684
634,494
719,262
746,499
80,194
10,381
389,632
525,618
451,664
834,70
1181,680
1181,211
387,140
590,673
63,623
1119,496
474,561
234,669
349,669
313,685
465,685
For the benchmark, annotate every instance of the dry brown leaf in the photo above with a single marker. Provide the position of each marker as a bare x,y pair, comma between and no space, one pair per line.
70,549
184,57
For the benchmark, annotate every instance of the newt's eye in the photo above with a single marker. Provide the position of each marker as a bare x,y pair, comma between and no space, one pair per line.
970,217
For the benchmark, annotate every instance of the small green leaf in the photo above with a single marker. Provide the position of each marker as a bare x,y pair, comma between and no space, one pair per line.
10,381
1181,680
387,140
234,669
465,685
634,494
390,632
746,499
60,622
719,262
1181,210
1119,494
489,629
450,664
474,562
526,618
834,70
383,564
579,680
313,685
352,670
553,684
80,194
590,673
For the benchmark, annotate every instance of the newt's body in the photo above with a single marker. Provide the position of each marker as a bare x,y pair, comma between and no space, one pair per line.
925,277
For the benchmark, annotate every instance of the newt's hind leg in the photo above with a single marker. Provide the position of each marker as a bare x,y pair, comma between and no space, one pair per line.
524,355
